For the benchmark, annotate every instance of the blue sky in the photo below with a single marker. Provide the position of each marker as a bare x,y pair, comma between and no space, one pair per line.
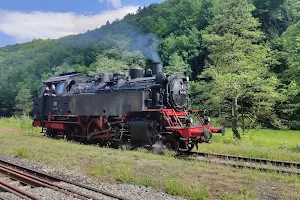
24,20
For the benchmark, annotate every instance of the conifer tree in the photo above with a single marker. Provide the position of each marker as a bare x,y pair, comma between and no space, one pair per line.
237,61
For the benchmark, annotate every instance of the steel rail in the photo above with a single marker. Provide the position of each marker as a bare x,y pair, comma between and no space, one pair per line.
57,179
45,183
18,192
277,163
266,162
259,168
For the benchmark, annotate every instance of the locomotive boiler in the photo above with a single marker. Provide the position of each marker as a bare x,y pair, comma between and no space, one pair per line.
142,108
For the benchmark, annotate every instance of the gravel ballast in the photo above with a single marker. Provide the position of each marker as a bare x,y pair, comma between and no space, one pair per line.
9,196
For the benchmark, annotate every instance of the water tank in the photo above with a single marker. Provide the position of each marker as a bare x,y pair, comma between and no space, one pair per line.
136,73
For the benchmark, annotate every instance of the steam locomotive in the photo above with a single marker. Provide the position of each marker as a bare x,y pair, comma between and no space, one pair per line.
145,108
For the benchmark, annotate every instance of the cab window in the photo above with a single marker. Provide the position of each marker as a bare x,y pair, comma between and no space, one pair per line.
60,88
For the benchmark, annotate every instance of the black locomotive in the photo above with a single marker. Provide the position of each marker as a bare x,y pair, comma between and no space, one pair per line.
141,109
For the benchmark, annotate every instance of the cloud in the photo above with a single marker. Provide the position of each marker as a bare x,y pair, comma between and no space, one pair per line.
52,25
113,3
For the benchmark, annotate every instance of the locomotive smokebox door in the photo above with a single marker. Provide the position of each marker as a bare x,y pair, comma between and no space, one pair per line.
141,132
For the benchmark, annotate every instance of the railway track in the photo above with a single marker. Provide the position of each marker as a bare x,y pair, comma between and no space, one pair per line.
15,178
245,162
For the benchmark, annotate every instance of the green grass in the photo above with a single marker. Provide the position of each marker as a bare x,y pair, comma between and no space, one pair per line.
268,144
22,122
189,179
259,143
264,138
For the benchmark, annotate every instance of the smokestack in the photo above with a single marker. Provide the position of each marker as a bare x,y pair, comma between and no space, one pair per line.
157,67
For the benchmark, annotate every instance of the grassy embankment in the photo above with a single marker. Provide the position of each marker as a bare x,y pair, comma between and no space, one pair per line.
190,179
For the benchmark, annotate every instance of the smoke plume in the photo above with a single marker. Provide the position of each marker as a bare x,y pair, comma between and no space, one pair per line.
147,43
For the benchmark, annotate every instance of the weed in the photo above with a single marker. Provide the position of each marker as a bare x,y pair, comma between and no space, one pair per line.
125,173
296,148
283,145
22,152
243,194
23,122
177,188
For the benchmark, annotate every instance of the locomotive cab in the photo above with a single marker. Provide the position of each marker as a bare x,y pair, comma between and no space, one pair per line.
53,103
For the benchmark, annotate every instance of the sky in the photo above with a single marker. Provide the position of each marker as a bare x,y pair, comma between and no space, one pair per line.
25,20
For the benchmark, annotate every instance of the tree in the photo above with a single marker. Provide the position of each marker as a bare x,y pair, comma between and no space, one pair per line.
176,65
291,45
172,30
291,11
186,45
288,55
117,59
237,62
276,16
24,101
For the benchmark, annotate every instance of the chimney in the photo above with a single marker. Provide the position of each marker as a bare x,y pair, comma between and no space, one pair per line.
157,67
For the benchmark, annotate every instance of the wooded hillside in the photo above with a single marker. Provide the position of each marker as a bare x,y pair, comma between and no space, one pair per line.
243,57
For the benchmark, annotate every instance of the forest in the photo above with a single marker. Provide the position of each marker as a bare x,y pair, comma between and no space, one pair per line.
243,58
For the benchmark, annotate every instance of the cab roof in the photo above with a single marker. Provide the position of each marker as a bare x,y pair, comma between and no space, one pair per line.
66,76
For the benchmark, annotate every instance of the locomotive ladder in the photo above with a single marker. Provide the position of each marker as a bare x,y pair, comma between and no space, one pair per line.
201,120
176,118
169,119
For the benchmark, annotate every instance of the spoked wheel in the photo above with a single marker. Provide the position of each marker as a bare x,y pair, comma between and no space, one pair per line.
98,135
100,142
171,143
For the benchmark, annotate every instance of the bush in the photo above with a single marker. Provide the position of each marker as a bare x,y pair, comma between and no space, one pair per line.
293,125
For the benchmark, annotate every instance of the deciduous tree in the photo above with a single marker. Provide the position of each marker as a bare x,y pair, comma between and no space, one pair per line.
24,101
